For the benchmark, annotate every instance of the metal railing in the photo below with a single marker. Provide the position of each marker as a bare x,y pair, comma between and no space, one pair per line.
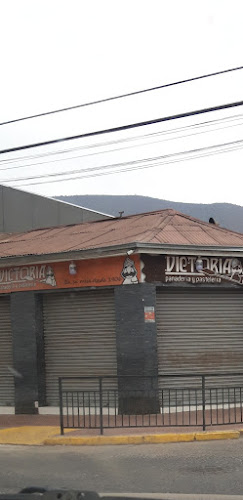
195,400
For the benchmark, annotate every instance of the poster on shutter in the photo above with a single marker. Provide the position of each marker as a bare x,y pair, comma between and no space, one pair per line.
193,270
149,314
112,271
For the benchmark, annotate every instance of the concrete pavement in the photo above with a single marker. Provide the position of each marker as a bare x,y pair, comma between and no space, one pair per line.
212,467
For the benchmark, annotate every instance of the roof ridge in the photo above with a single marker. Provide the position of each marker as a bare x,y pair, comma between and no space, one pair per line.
144,213
208,224
167,216
173,212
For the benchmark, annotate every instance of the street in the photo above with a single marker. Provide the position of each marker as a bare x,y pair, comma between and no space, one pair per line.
211,467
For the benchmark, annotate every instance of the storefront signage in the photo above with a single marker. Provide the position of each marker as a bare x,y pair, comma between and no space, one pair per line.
192,270
203,269
88,273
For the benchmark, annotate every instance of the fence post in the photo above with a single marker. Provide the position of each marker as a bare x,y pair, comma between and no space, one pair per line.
101,405
61,405
203,402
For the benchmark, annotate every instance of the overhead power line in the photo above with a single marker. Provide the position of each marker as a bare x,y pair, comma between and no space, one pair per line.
158,137
140,167
121,96
124,127
133,165
226,122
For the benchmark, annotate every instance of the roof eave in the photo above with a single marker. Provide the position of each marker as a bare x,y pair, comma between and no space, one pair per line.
168,248
118,250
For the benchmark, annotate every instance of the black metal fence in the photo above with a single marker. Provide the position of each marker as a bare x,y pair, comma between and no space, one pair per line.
197,400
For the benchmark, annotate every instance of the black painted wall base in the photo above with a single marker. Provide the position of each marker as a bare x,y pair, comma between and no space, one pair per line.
138,405
136,350
22,409
27,335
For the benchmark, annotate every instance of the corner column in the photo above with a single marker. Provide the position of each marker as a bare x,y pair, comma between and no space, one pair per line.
136,348
28,351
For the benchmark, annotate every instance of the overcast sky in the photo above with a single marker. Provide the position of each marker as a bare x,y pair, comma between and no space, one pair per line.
58,53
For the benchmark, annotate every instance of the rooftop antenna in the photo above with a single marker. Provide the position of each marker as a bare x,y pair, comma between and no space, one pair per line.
121,214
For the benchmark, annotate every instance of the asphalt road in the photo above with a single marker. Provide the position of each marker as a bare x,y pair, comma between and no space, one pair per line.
200,467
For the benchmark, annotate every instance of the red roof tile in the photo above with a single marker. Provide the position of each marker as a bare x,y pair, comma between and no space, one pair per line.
162,227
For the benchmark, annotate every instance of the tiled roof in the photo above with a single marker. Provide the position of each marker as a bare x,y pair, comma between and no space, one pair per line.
161,227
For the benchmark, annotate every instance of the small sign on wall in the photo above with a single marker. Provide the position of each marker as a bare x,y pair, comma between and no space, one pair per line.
149,314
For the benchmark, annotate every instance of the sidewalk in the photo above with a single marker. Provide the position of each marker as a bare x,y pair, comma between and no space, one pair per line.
36,420
45,430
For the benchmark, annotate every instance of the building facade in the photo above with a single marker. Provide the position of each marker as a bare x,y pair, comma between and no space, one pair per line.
158,293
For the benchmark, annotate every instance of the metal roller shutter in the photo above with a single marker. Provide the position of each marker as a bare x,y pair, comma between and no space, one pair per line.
199,331
80,339
6,354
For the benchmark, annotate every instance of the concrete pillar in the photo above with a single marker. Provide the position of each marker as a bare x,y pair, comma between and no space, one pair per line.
28,351
136,349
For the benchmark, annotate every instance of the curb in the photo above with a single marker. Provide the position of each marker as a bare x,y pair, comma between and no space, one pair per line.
212,435
49,435
142,439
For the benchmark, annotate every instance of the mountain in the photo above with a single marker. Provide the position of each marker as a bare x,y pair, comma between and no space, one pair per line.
226,214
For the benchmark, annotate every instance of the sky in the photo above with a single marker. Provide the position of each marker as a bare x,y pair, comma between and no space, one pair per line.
57,54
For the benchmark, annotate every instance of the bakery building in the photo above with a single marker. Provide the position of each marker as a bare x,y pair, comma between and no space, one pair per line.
149,294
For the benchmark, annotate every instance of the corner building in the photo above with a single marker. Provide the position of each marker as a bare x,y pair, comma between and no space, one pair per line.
150,294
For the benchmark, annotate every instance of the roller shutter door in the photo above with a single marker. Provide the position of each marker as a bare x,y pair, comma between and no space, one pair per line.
200,332
6,354
80,339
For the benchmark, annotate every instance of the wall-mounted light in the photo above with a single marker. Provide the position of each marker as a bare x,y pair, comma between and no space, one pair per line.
72,268
130,252
199,264
235,263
